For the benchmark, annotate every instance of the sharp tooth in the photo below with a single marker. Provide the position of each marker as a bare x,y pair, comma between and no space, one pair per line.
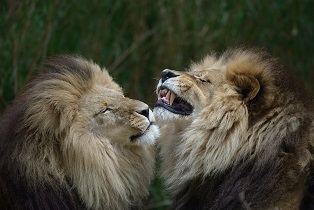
172,97
168,95
159,95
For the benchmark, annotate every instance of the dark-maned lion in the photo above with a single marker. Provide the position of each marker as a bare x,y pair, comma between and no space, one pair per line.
73,141
237,133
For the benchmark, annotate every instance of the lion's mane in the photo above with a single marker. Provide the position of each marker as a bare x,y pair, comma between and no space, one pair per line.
251,145
46,163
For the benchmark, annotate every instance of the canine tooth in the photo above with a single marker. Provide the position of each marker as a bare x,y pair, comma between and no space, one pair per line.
172,97
159,95
168,95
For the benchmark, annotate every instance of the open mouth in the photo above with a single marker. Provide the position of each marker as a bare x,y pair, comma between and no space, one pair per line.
170,101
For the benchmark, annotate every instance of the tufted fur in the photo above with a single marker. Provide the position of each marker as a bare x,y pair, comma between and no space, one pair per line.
248,144
73,141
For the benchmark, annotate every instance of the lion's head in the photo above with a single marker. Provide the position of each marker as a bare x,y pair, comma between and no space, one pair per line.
82,97
227,111
186,94
74,125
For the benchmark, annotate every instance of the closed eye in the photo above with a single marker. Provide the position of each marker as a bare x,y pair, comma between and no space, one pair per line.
105,110
204,80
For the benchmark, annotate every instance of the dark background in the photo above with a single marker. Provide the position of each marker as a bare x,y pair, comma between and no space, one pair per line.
136,40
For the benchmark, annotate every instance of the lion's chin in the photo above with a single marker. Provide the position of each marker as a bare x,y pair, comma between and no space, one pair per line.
149,137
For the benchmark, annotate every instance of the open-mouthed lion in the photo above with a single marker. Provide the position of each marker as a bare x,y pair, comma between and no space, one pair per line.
73,141
237,133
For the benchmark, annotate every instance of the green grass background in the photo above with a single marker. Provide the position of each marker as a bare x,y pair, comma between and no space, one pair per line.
136,40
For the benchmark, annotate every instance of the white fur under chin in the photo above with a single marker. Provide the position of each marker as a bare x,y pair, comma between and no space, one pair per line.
150,136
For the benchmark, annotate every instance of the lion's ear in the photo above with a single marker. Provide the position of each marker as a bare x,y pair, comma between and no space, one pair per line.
252,75
247,85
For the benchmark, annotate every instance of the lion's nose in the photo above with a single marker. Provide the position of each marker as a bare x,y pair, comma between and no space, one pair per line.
144,112
166,74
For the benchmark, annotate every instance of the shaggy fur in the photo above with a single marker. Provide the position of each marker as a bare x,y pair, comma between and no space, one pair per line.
73,141
248,143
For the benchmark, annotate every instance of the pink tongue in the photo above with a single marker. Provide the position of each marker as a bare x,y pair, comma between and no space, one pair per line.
164,99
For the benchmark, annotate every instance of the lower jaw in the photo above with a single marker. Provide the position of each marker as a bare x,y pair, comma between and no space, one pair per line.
167,107
163,115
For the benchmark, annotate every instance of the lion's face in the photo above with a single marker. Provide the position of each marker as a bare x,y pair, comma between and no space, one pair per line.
183,95
90,104
112,116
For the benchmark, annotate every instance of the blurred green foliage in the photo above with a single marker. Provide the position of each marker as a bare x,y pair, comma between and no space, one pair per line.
136,40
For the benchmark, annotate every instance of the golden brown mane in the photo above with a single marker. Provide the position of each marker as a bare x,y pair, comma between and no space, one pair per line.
248,144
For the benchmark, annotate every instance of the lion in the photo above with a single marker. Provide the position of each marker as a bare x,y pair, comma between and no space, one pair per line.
237,132
72,140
